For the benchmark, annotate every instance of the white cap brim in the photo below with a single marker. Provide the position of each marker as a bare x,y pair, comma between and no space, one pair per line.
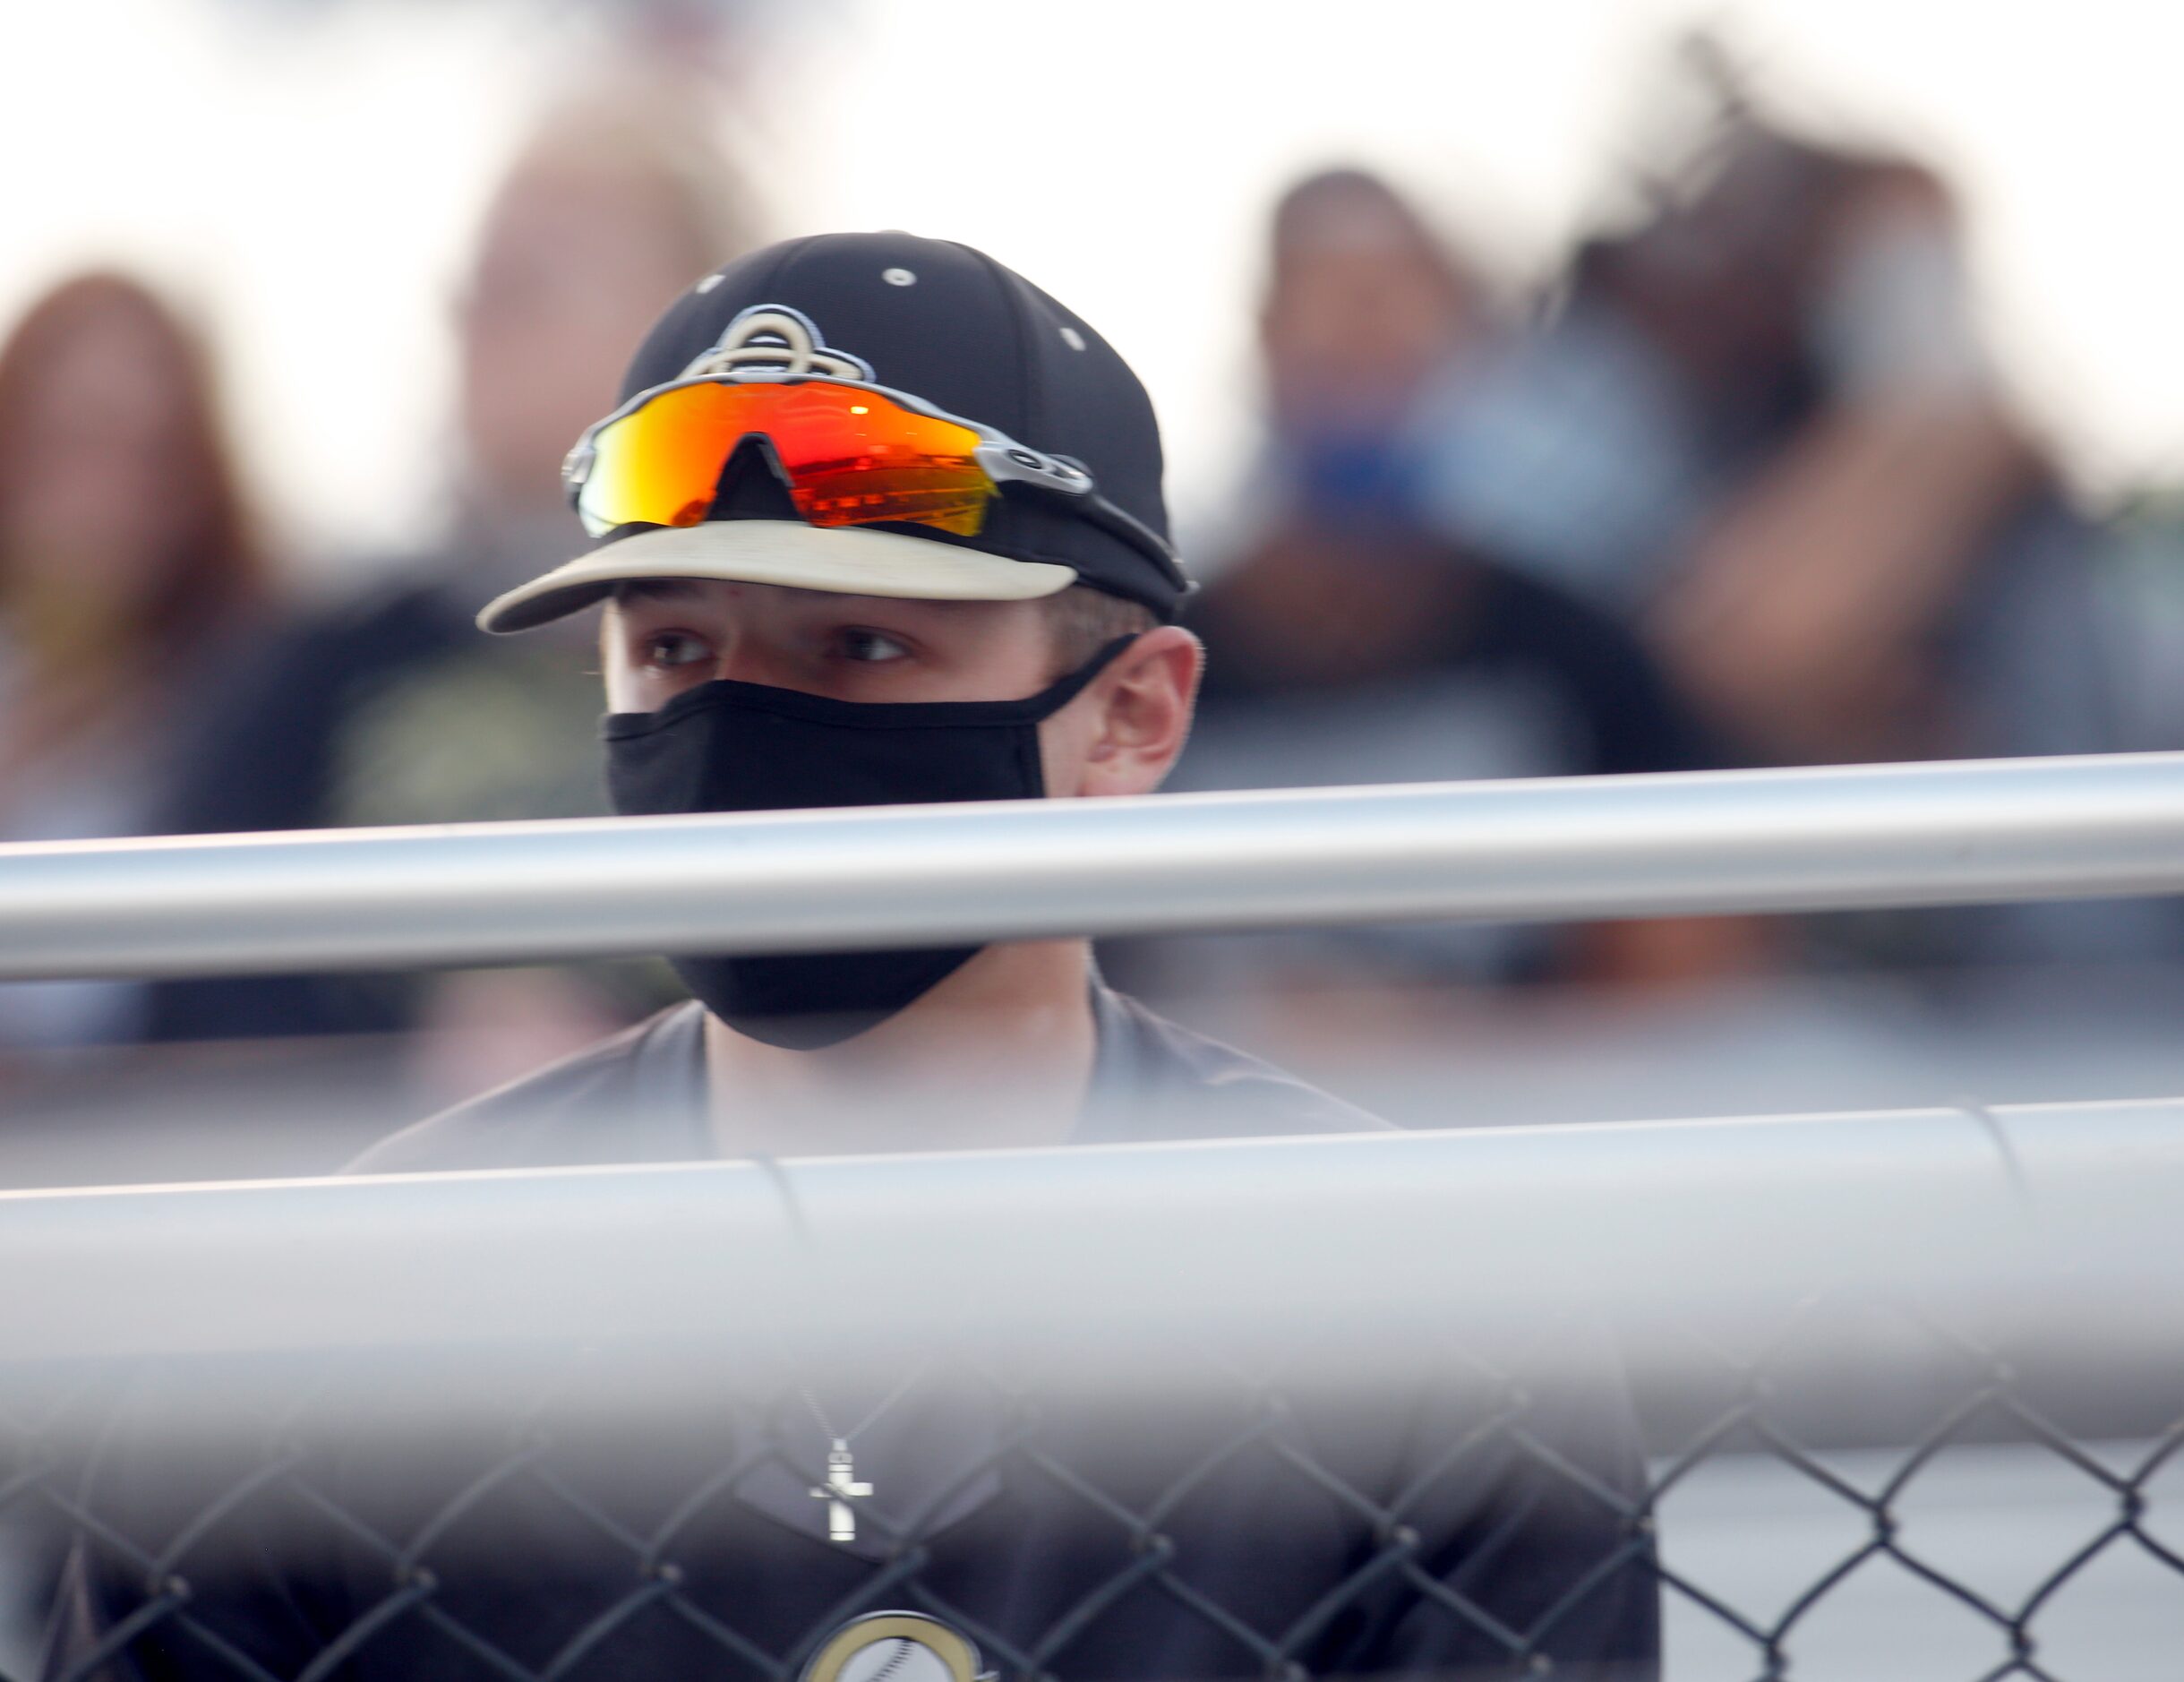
849,560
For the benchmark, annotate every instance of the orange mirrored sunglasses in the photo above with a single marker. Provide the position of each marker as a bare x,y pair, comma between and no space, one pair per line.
851,455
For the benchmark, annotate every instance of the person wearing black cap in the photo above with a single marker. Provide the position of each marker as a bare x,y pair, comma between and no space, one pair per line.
879,521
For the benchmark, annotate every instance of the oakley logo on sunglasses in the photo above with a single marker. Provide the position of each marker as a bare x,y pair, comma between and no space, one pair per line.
772,339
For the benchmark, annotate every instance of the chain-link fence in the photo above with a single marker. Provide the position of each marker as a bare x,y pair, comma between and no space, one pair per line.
1474,1451
1922,1510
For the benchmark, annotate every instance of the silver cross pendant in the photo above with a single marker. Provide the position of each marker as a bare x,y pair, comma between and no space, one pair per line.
838,1491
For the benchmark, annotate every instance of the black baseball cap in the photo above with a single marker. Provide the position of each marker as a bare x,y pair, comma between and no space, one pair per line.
944,322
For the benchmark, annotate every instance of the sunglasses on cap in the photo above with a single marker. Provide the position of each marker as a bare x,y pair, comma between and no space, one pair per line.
851,454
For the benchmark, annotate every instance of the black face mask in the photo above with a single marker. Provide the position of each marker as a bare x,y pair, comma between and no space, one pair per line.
726,746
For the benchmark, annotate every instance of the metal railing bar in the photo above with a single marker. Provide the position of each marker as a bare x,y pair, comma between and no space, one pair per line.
1383,1238
1544,849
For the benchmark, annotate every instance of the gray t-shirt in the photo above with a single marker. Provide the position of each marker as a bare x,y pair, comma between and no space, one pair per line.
1449,1526
640,1097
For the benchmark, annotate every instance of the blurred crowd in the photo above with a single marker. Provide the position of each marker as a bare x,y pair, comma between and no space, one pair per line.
1741,488
1738,486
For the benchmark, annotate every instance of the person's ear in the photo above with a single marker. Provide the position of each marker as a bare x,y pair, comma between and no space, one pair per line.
1141,710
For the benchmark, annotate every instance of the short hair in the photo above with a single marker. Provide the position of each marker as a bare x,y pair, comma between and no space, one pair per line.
1082,620
1324,210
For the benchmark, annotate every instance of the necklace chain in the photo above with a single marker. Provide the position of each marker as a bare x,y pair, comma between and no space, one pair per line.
870,1417
841,1485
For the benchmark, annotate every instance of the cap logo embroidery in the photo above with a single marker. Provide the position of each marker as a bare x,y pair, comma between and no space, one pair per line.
772,339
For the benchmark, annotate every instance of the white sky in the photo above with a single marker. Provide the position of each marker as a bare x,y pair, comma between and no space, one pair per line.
312,184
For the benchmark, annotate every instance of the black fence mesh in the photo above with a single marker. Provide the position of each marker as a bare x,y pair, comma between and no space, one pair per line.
612,1514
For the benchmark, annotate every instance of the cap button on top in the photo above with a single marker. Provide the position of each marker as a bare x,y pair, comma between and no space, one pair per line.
898,277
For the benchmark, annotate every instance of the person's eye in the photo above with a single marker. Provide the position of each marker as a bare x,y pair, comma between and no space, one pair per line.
670,649
871,646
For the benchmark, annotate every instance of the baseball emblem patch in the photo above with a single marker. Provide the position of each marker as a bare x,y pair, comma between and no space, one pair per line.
896,1647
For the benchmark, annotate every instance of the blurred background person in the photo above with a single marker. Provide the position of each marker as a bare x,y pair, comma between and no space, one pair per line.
1758,426
1828,606
129,578
616,201
1349,641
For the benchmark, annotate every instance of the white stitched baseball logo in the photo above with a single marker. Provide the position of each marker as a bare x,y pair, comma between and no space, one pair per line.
896,1647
